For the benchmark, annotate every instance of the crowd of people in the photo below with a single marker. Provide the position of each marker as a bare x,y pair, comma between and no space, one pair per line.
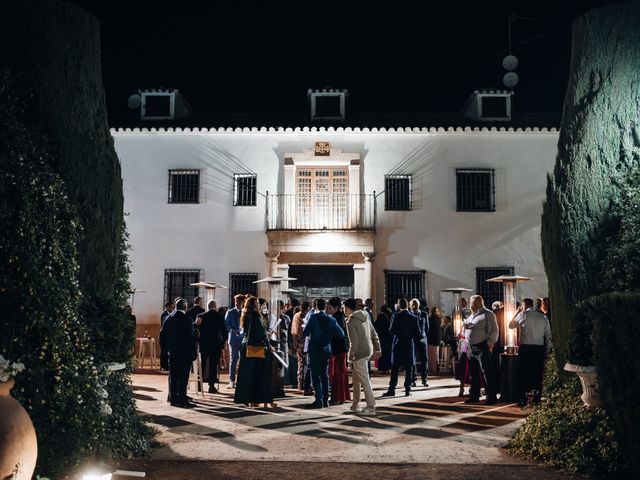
321,339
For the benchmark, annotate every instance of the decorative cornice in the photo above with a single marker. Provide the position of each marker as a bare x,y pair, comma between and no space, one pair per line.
374,130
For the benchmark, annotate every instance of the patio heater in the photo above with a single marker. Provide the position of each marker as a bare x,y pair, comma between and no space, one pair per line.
509,359
209,288
456,314
277,335
509,305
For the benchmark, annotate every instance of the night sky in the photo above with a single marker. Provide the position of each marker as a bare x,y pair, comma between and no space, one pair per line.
260,57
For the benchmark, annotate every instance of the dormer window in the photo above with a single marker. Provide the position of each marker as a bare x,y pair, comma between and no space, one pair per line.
328,104
489,106
158,105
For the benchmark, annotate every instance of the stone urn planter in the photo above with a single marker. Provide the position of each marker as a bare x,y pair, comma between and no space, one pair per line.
589,380
18,444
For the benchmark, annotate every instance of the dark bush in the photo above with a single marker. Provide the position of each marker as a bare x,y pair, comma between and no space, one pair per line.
564,433
614,316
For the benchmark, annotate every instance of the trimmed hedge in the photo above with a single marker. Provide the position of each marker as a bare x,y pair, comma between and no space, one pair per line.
614,316
563,433
79,411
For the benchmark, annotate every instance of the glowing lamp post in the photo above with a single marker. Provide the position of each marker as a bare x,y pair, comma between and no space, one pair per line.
209,287
456,314
509,305
275,326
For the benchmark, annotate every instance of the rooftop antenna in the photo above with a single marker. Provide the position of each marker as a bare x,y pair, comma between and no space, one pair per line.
510,62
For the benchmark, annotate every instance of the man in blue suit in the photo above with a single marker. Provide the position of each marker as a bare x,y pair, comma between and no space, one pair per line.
236,334
405,328
321,329
180,341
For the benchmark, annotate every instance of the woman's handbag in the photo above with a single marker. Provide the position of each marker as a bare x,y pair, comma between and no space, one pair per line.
252,350
255,352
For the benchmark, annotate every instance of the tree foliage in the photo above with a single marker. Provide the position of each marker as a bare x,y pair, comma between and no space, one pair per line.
598,147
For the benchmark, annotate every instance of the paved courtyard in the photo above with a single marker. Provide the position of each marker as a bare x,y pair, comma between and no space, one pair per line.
433,427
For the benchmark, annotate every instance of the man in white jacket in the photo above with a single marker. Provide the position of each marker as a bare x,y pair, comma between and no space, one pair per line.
363,345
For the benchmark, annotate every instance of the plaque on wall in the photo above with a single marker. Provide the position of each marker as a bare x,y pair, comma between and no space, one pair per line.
323,149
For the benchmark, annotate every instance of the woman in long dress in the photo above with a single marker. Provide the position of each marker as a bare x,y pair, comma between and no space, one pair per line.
253,385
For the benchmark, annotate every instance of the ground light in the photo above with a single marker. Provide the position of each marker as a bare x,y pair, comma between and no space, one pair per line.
102,471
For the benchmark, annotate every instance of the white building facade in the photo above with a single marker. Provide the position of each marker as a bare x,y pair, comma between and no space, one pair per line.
350,212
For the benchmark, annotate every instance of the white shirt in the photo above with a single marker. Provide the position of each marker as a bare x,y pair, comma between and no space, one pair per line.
534,328
482,326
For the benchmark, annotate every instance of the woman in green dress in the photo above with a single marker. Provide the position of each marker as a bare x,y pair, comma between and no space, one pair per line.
253,385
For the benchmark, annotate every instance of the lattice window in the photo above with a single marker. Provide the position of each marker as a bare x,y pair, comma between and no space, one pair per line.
244,190
403,284
491,291
242,283
177,283
397,192
475,190
184,186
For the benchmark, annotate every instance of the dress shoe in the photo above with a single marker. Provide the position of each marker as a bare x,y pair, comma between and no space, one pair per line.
183,405
308,393
189,399
413,384
491,401
213,389
472,400
424,383
407,393
314,405
325,404
389,393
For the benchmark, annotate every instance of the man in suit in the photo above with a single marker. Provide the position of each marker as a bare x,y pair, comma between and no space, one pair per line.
164,354
196,310
211,339
320,329
421,344
483,334
405,328
180,341
236,334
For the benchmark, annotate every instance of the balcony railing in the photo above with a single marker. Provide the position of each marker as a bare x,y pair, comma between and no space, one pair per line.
321,212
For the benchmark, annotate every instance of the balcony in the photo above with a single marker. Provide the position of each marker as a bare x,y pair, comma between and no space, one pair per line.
321,212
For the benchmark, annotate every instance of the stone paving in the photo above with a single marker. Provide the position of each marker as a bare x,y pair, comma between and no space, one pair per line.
433,426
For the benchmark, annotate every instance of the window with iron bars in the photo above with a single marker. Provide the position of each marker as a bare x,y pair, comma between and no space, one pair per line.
242,283
475,190
244,190
491,291
403,284
177,283
184,186
397,192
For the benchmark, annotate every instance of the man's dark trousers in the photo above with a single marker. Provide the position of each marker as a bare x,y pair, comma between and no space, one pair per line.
213,357
481,350
320,374
530,370
179,369
408,377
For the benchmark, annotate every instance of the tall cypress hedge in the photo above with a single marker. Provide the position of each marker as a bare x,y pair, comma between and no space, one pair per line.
65,186
597,148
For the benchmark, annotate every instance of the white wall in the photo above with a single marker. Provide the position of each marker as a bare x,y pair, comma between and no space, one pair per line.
220,238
